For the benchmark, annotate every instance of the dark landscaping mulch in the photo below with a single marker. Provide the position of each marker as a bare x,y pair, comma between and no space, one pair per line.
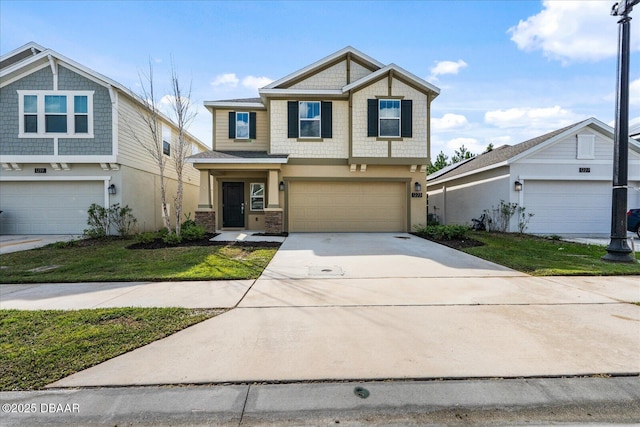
205,241
455,244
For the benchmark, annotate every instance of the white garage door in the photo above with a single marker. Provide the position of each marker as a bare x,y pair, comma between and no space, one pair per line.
568,207
53,207
347,207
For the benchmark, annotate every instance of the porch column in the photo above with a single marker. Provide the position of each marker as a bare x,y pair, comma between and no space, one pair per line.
205,214
273,213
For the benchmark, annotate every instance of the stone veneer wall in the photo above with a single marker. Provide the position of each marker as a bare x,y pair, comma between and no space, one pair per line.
206,219
273,222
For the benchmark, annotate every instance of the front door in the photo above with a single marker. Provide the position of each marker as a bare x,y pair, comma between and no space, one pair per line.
233,204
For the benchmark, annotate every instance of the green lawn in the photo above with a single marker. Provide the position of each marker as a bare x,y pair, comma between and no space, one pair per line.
109,260
545,257
40,347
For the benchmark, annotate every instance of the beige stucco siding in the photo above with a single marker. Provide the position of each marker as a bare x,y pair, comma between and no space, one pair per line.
334,77
223,142
336,147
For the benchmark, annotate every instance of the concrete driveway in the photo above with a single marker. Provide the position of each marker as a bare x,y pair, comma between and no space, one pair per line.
362,306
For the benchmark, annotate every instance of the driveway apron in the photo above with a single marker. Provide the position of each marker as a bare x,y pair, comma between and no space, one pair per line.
377,306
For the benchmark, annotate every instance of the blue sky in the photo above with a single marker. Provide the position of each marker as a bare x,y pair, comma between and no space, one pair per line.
508,70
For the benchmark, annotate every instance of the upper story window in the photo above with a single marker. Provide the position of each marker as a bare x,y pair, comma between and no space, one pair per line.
166,140
45,114
309,115
390,118
242,125
309,119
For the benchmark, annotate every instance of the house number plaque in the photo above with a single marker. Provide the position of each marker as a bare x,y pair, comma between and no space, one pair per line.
416,195
584,170
40,170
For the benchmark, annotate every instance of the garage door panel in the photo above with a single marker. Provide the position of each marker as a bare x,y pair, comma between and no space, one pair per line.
347,206
55,207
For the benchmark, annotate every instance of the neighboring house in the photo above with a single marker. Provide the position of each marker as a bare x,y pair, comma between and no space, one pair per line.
564,178
66,142
341,145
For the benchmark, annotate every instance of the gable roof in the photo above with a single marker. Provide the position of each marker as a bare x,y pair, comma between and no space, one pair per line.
507,154
334,57
32,56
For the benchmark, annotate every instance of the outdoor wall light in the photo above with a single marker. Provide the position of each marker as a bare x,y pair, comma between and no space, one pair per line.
281,186
517,186
112,189
417,186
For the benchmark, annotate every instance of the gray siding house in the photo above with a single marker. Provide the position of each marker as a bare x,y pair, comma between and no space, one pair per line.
66,141
564,178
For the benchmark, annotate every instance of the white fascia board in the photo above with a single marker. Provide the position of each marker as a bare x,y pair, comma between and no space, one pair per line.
238,161
58,159
54,178
228,104
401,71
323,61
302,92
473,172
21,49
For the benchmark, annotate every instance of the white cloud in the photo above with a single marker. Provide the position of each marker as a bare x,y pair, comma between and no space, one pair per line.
449,122
253,82
634,92
571,31
446,67
551,117
471,144
229,80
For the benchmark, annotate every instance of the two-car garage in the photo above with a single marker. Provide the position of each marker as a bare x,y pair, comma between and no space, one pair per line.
347,206
47,207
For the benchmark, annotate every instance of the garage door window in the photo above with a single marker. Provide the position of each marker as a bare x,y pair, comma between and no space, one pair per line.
46,114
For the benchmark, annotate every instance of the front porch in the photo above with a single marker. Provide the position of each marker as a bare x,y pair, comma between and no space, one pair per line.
240,191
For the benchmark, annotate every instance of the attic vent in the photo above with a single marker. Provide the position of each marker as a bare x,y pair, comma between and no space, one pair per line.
586,147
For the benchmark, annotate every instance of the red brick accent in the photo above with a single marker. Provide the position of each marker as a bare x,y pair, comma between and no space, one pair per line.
273,222
207,219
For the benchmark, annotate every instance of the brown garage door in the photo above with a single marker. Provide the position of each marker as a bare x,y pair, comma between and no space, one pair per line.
347,207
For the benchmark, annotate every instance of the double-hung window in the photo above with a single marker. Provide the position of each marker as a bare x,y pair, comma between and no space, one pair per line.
45,114
242,125
257,197
309,119
166,140
389,118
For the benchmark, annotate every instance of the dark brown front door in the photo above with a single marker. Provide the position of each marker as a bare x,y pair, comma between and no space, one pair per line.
233,204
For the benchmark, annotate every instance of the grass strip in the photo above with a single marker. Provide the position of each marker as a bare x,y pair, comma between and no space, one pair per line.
40,347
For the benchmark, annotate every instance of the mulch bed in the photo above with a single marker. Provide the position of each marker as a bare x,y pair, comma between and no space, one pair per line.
455,243
205,241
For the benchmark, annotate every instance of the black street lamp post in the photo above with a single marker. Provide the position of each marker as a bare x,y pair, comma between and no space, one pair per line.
618,249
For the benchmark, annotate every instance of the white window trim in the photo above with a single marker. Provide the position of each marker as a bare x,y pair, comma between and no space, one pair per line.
248,125
167,136
251,196
319,120
41,133
399,118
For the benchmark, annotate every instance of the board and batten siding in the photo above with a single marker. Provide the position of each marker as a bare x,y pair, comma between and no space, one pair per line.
222,142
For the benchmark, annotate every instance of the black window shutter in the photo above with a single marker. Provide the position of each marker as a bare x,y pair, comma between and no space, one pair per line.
292,125
252,125
407,118
372,117
232,124
327,119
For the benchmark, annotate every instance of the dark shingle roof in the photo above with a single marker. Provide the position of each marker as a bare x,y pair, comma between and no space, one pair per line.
499,155
241,100
212,154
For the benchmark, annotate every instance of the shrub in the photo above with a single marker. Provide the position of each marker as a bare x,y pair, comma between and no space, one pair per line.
122,219
98,222
192,232
444,232
171,239
102,219
147,237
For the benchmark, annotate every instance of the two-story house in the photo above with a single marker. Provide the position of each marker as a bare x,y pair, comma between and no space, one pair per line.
341,145
67,141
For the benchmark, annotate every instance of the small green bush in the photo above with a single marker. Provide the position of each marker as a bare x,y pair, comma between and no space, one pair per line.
147,237
444,232
192,232
171,239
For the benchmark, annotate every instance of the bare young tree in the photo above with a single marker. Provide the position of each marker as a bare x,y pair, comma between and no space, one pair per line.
183,115
149,114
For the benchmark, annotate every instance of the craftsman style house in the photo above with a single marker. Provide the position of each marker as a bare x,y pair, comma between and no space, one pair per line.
67,141
340,145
